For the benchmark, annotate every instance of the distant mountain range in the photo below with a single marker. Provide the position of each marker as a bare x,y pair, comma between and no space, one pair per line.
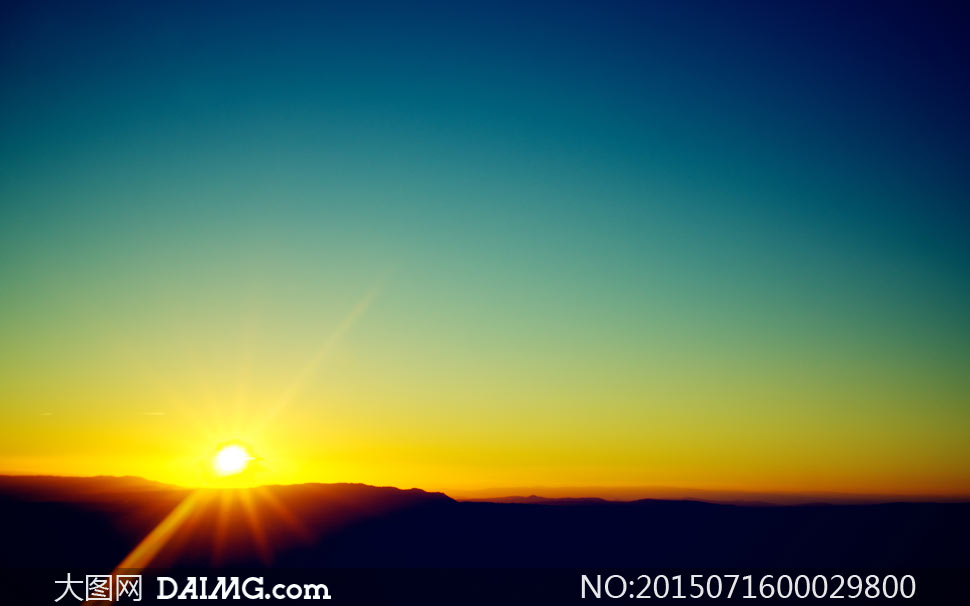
97,522
543,500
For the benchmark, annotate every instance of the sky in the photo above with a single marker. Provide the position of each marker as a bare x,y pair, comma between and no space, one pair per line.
719,246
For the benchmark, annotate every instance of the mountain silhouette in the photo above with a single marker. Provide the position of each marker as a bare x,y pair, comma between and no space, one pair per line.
57,522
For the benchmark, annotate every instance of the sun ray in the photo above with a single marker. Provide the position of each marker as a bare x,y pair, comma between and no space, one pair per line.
222,526
231,460
146,550
312,365
283,512
255,525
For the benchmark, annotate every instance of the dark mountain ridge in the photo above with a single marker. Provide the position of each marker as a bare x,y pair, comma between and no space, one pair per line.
96,522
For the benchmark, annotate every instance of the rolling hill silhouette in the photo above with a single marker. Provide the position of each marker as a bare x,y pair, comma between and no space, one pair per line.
57,522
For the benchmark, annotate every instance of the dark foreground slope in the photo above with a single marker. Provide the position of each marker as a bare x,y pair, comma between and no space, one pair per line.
96,522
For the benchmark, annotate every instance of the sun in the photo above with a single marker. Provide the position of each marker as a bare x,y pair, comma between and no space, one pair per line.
231,460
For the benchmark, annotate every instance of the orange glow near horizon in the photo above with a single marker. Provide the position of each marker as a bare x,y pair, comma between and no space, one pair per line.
318,413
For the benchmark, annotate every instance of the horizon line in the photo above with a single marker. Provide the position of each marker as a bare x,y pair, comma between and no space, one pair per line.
619,494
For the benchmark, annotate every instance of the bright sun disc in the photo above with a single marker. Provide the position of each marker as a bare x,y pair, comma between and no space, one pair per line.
231,459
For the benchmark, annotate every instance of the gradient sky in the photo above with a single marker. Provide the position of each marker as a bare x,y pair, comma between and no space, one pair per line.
673,244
